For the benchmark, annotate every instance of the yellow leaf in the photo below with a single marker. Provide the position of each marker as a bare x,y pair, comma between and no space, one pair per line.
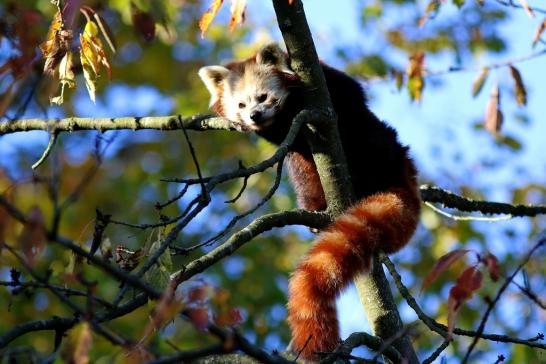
92,55
209,15
415,72
238,8
91,29
89,75
77,345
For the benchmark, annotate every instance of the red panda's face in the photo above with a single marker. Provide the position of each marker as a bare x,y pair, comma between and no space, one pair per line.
250,92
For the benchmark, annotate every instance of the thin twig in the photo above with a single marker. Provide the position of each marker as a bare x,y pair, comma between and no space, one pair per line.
52,139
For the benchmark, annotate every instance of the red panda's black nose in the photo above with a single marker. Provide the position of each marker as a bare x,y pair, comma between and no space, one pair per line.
256,116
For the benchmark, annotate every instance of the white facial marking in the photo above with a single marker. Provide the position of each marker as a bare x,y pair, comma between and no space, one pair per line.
258,91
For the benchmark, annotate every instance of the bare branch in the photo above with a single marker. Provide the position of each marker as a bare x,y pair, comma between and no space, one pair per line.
451,200
170,122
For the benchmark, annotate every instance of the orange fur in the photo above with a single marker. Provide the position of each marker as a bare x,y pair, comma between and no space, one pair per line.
385,221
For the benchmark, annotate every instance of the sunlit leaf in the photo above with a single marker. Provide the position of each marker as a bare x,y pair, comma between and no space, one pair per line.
77,344
478,83
527,9
493,113
209,15
92,56
238,8
66,78
415,72
104,28
442,265
538,32
56,45
519,87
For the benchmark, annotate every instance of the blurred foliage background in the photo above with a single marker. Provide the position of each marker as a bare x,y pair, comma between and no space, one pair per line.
155,73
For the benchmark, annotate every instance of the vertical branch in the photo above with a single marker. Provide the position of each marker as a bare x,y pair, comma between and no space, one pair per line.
328,155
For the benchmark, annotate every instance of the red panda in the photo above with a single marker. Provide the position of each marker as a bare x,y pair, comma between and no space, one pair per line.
262,94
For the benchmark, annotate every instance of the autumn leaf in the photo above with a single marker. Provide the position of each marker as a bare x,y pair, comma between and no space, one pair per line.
57,44
32,239
209,15
127,259
92,56
237,13
442,265
415,72
77,345
230,317
493,113
467,283
493,267
519,87
66,77
430,11
539,32
527,9
199,317
478,83
105,30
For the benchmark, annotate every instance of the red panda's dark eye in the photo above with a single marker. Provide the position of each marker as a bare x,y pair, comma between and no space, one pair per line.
262,97
242,105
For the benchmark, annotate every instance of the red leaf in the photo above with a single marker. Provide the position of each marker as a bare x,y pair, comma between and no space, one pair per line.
467,283
492,265
199,317
471,280
230,318
443,264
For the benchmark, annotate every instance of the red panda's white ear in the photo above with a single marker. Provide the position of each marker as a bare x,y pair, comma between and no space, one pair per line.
273,55
212,77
